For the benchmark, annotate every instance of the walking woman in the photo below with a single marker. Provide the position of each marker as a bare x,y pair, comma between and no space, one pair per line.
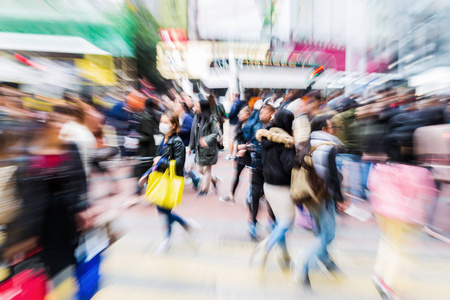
243,157
204,143
278,153
172,148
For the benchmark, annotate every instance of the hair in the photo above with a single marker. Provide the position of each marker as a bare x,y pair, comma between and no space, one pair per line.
284,119
319,122
174,119
205,108
270,108
212,101
73,110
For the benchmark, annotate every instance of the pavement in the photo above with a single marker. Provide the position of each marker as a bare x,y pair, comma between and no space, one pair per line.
214,261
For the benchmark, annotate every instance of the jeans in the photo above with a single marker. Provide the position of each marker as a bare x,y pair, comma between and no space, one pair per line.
279,198
191,174
325,217
171,218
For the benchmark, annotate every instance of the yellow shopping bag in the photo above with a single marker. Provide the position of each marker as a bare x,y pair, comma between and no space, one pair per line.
165,190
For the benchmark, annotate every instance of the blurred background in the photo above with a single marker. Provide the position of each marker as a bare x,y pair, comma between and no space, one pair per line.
99,73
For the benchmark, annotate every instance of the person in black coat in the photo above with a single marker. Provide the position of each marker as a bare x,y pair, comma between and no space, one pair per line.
172,148
278,153
243,157
52,185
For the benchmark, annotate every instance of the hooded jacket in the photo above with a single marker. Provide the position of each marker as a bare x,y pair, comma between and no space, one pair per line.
278,153
324,161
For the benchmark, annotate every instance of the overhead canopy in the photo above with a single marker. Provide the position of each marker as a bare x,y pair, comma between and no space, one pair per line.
48,43
281,78
108,25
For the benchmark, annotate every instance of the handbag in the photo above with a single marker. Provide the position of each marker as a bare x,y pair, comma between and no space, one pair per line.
88,255
165,189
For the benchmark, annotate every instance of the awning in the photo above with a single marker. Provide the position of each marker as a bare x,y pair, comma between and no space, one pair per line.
48,43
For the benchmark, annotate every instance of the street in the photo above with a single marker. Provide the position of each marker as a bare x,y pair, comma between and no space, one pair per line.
214,261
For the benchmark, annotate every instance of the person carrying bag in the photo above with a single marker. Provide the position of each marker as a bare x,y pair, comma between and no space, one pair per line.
165,180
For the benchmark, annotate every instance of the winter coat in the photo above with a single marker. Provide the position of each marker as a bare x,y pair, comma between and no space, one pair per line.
241,139
53,189
324,161
278,153
205,156
173,150
186,127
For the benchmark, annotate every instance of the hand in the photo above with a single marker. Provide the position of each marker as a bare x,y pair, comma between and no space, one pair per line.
203,143
142,180
241,147
156,160
241,153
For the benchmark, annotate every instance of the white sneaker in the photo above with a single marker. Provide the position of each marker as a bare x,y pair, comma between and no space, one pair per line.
164,246
193,224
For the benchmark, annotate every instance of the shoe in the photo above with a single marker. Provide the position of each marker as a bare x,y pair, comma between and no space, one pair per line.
333,268
192,226
306,283
252,231
259,256
284,260
228,157
164,246
202,193
195,184
227,199
382,288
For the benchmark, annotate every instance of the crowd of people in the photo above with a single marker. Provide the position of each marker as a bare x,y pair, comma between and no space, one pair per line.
48,157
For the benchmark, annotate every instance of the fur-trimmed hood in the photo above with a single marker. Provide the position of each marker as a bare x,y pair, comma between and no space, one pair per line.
276,135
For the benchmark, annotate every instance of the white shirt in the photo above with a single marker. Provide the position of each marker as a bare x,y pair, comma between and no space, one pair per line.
83,138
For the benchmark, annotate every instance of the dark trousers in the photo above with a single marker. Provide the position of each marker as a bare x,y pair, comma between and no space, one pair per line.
239,168
171,218
257,191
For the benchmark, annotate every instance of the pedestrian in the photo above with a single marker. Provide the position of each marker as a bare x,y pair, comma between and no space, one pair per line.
243,157
172,148
74,130
219,112
266,115
185,134
52,185
204,143
233,118
278,152
324,212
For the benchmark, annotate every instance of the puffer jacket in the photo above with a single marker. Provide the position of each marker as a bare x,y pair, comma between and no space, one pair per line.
173,150
324,161
205,156
278,153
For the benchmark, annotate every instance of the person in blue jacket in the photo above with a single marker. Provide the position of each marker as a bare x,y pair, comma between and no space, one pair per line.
186,121
233,119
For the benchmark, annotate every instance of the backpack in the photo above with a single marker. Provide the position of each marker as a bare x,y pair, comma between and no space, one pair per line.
306,185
